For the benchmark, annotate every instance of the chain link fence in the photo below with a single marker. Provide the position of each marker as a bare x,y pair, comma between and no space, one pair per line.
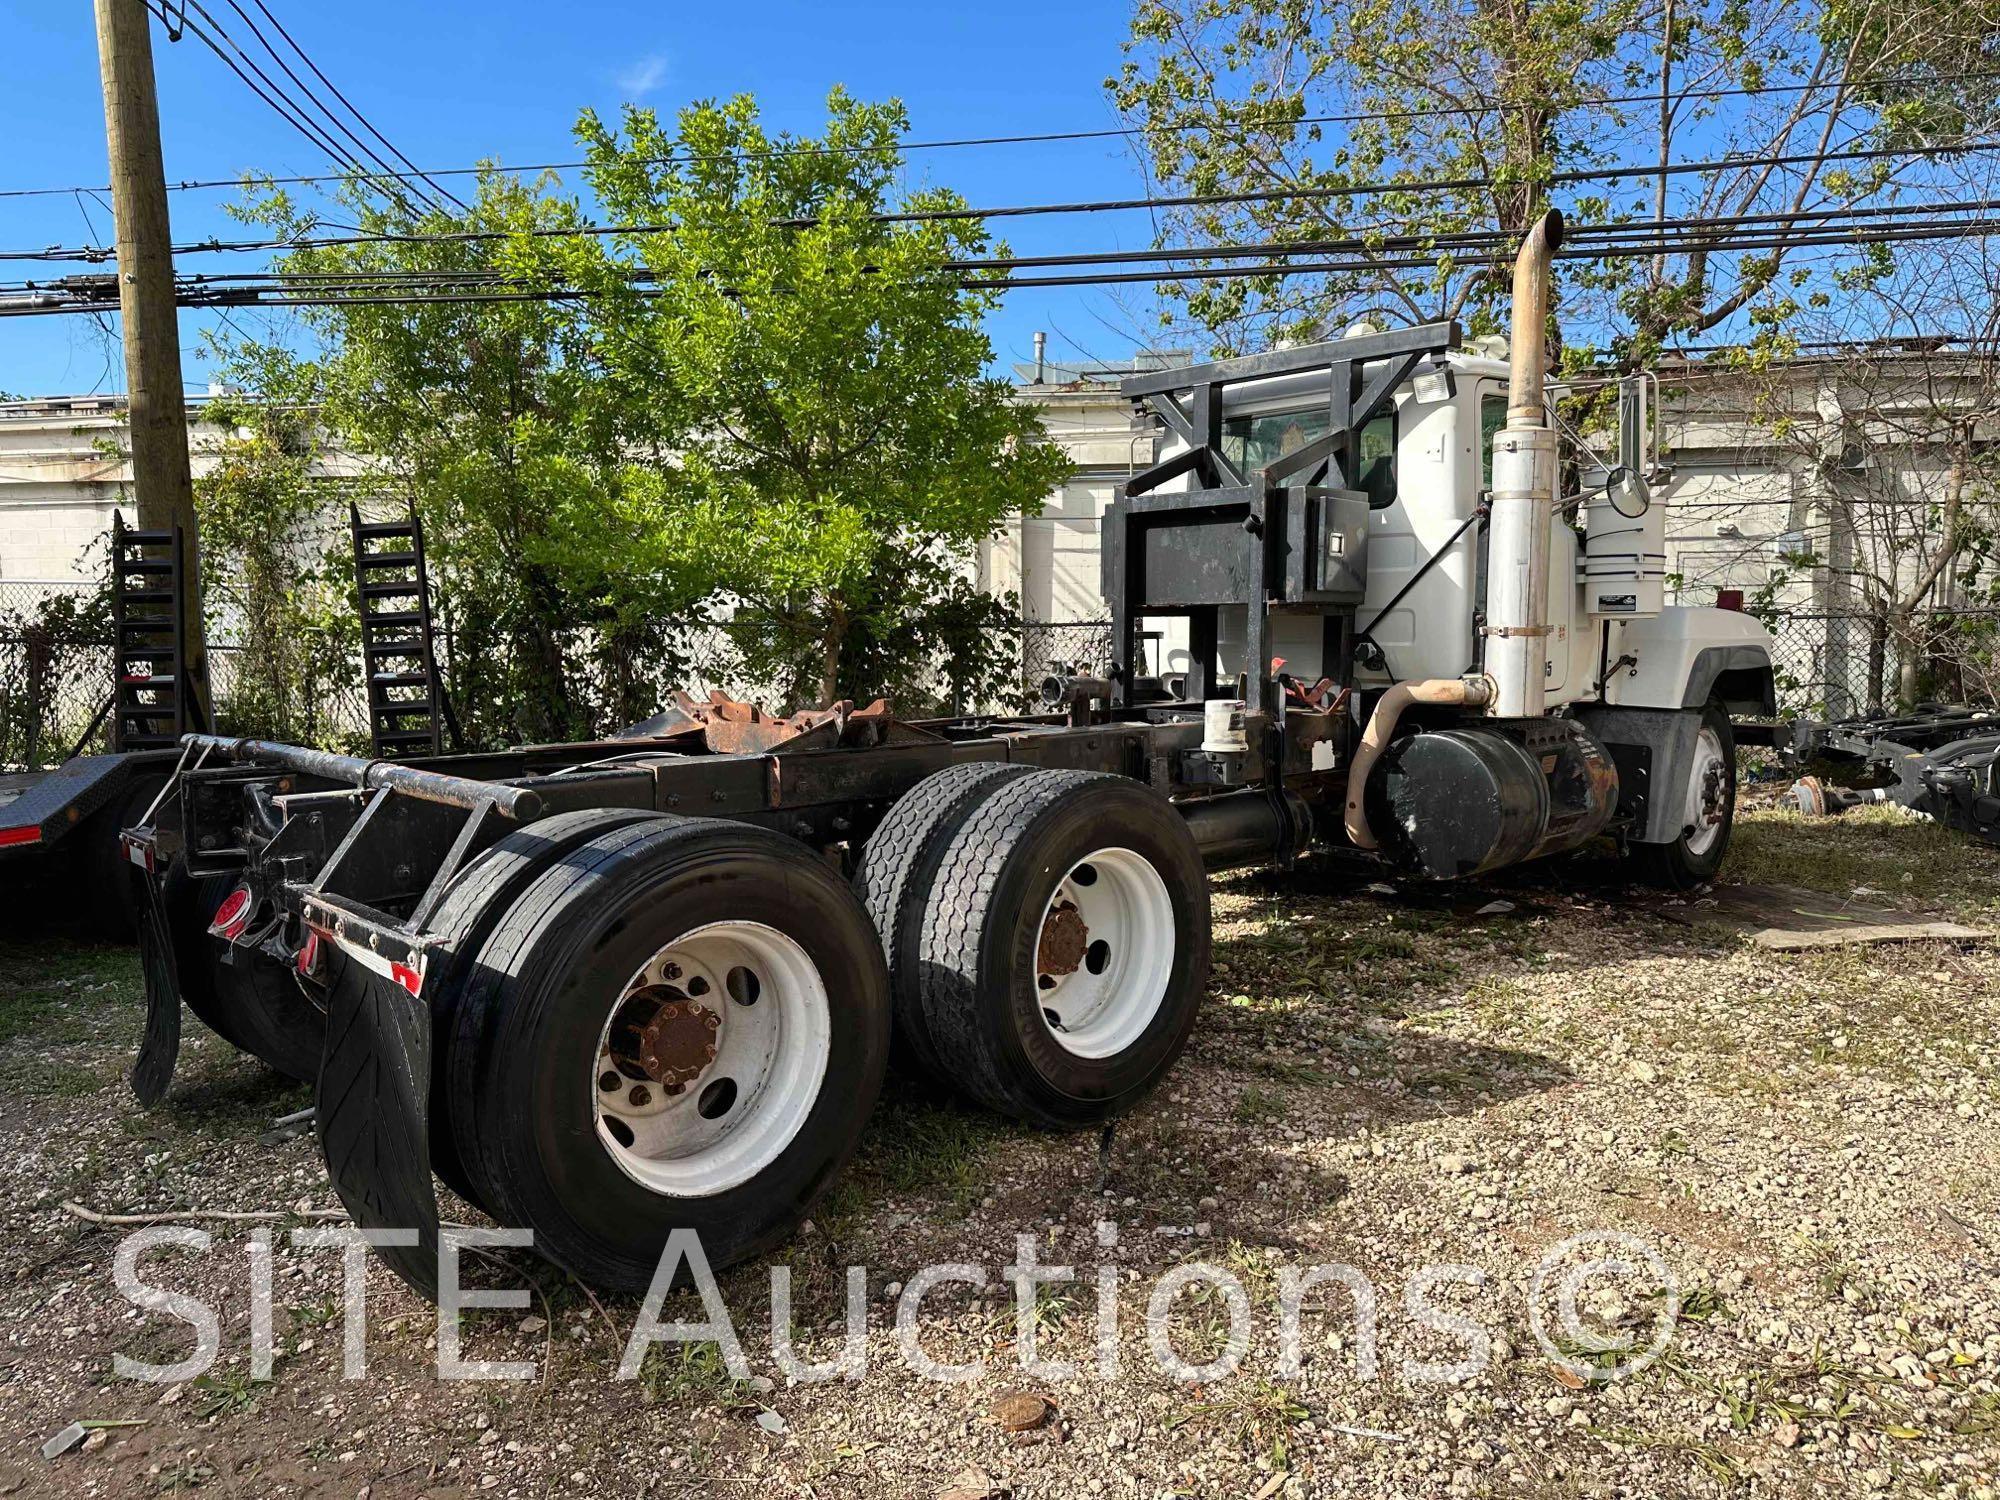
55,671
1846,664
56,668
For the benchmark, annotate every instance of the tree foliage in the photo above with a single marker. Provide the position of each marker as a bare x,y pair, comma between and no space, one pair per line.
837,439
278,598
772,418
1503,99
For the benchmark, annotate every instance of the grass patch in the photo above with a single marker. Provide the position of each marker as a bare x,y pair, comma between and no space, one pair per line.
1882,850
45,985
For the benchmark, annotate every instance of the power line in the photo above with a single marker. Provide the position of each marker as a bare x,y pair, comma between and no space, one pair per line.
273,94
1387,251
1191,200
367,124
366,288
1244,126
397,188
269,93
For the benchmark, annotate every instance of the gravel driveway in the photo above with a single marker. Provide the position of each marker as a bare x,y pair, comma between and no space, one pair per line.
1434,1089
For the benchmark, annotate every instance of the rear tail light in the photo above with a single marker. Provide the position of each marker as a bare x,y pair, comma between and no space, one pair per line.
233,915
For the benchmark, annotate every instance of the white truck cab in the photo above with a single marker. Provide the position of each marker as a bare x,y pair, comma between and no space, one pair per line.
1386,520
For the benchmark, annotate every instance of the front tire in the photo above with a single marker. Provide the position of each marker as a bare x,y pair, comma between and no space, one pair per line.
1708,814
1065,946
683,1024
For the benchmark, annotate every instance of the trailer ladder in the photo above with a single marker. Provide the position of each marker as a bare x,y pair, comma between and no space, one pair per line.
406,709
149,709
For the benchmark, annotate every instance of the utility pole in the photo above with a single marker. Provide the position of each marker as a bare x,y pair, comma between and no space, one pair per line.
157,404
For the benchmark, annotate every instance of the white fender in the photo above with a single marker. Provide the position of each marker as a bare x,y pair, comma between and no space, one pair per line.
1677,655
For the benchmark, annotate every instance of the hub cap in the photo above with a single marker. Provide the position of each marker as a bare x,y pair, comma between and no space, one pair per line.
1708,793
1105,953
711,1060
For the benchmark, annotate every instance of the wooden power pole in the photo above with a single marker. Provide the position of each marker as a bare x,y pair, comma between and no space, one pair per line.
157,403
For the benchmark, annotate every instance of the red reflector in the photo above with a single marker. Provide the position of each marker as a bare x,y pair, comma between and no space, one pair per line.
233,915
1729,599
11,837
308,959
407,977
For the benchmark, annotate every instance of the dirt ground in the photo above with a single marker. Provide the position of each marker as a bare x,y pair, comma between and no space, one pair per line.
1810,1143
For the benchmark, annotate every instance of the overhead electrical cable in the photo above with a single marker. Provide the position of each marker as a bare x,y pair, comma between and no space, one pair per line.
348,105
908,216
1241,126
385,176
1682,238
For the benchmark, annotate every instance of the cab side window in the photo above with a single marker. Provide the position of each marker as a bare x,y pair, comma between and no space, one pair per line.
1492,417
1251,442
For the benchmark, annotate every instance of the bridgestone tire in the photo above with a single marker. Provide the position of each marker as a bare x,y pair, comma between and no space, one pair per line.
476,900
981,933
898,865
1674,866
544,984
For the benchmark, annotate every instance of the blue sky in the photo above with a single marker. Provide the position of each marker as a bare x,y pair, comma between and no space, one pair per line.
453,82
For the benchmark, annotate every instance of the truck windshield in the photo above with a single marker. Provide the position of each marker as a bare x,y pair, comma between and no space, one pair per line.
1252,441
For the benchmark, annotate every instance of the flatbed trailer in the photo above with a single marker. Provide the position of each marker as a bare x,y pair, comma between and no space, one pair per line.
610,990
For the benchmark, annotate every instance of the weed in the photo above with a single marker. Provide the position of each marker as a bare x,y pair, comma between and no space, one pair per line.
688,1372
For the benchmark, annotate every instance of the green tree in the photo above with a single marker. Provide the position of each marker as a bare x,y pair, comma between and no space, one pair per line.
839,451
475,408
275,586
1504,97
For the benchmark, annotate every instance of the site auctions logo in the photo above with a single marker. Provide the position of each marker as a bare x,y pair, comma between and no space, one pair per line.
1618,1270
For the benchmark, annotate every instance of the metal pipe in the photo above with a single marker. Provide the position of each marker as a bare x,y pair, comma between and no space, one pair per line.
1526,349
1468,692
519,803
1247,828
1041,356
1524,474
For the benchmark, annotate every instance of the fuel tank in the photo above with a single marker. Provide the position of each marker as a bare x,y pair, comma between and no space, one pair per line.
1461,801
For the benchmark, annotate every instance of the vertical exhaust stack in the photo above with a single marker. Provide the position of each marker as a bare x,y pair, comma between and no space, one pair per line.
1524,483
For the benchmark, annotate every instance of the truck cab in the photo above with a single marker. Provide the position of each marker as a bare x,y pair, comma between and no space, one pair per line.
1426,464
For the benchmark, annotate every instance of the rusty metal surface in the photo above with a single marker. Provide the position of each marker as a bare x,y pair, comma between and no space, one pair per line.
1064,940
727,726
680,1040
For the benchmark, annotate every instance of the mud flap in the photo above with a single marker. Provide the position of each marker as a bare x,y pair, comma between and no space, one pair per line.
373,1103
160,1047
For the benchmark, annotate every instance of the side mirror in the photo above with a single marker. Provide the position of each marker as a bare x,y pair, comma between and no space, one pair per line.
1628,493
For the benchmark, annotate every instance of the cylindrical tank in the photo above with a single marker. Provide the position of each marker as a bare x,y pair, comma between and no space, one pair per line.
1455,802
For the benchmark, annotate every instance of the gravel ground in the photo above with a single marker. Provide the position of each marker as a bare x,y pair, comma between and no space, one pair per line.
1809,1143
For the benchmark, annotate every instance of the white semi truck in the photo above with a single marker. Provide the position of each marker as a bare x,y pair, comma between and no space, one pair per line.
611,990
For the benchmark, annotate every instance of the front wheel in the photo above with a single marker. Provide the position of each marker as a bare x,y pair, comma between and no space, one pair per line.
683,1024
1707,804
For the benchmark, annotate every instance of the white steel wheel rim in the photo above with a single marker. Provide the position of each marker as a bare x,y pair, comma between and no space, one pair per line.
738,1110
1110,996
1704,821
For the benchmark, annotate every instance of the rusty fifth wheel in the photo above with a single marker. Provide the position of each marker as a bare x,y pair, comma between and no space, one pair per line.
681,1023
1063,945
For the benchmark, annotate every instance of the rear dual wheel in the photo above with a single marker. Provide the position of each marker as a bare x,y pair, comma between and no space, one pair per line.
1052,962
682,1023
